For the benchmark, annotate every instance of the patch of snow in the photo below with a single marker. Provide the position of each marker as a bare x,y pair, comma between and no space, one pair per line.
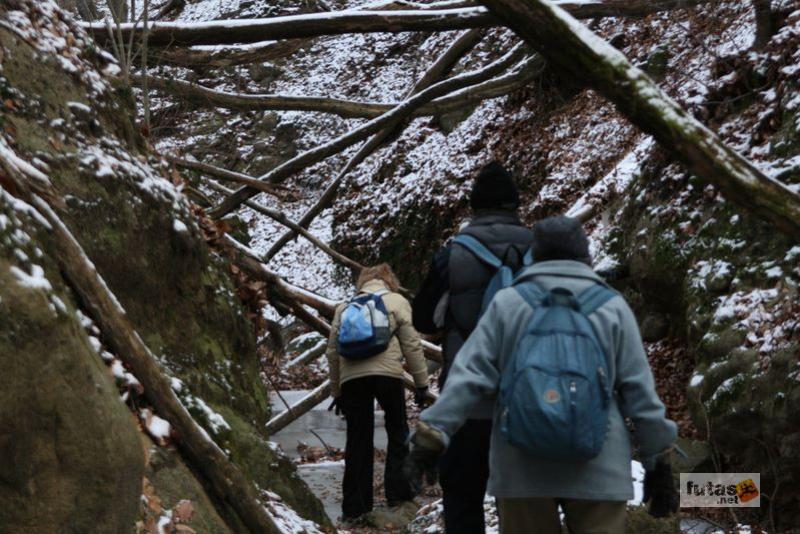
35,280
215,420
158,427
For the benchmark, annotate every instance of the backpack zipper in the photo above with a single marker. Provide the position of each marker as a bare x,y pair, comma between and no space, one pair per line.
604,384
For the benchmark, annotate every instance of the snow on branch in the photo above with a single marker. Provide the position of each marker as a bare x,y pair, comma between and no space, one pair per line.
577,51
237,31
404,110
205,96
437,71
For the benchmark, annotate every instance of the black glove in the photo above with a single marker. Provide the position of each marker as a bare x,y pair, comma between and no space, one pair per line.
336,406
659,488
421,397
427,445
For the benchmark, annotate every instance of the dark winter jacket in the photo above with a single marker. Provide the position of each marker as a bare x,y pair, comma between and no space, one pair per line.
457,271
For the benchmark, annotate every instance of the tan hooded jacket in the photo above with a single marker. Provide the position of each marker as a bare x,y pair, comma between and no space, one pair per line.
405,343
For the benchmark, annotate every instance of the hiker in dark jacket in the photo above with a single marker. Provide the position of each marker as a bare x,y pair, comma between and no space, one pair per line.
591,491
449,301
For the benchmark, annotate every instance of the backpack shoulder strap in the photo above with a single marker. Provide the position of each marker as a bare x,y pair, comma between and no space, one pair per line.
531,293
478,249
527,259
591,299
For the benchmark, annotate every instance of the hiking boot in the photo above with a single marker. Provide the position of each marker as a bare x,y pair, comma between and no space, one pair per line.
354,521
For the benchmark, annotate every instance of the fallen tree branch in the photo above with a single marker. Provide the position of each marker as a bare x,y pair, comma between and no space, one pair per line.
228,56
577,51
300,408
169,7
401,112
271,189
232,55
309,355
443,65
225,479
455,101
354,21
282,218
611,185
248,102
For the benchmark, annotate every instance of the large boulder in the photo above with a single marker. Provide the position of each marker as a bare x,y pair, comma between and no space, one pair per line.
130,216
70,454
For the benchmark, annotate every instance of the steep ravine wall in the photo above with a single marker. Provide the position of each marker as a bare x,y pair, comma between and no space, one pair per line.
61,114
714,288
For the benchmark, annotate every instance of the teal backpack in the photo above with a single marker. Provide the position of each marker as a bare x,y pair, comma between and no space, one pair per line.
555,391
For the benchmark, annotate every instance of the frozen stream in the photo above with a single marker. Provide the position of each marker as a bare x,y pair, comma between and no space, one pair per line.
324,477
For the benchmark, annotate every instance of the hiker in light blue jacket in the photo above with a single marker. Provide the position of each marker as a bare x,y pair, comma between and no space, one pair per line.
529,489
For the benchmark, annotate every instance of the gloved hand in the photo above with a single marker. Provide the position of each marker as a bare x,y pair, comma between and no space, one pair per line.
427,445
421,397
659,488
336,406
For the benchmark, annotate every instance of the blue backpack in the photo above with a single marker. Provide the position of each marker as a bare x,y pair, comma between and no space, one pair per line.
503,276
364,329
555,391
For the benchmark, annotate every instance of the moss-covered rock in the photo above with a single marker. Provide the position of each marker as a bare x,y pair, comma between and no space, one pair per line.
138,229
640,522
70,456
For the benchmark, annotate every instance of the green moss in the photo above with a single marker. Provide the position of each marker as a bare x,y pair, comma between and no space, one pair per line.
174,482
178,295
640,522
69,447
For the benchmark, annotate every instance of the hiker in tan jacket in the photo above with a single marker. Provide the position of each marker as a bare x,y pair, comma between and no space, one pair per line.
357,382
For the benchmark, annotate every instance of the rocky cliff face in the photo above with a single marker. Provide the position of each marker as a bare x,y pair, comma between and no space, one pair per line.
715,289
69,444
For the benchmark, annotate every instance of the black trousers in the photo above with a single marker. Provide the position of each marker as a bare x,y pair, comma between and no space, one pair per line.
464,474
358,401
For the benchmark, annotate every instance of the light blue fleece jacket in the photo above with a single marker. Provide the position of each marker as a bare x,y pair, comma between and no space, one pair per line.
475,376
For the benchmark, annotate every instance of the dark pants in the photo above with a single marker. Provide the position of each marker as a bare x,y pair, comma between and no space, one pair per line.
358,401
464,474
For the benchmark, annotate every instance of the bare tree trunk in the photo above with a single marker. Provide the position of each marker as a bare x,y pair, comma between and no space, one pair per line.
145,36
87,9
119,12
765,23
282,218
577,51
225,478
352,21
401,112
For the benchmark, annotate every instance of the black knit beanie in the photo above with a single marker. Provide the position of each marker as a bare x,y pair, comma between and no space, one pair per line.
494,189
560,238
